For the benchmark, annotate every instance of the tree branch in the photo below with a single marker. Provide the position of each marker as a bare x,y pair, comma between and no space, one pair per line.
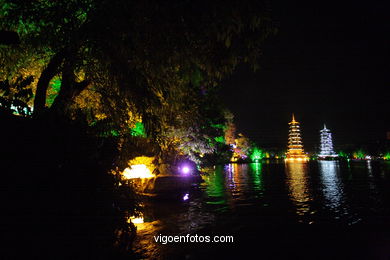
43,83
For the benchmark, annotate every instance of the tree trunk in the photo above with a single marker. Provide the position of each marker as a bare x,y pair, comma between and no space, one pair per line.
43,83
70,89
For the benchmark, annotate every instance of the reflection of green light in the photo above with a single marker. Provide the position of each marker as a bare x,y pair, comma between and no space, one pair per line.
257,177
257,155
138,130
215,186
387,156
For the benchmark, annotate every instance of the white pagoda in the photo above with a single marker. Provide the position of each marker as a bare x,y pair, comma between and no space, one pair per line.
326,147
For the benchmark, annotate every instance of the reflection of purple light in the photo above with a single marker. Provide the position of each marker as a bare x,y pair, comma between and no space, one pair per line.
186,196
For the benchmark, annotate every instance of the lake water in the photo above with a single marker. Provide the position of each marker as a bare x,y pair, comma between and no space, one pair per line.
276,210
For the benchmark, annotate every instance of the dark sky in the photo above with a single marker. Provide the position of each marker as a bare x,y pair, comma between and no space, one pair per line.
329,63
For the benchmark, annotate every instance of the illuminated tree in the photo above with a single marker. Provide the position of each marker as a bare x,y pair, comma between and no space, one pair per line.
136,57
343,154
359,154
257,154
109,66
230,131
242,148
14,97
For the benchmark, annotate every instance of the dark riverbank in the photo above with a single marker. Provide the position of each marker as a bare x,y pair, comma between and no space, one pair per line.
56,195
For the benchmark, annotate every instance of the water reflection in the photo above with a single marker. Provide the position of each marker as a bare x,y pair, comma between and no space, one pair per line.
233,185
297,181
214,185
243,196
332,185
257,176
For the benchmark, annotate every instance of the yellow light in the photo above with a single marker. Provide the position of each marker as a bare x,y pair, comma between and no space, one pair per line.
291,159
137,171
136,220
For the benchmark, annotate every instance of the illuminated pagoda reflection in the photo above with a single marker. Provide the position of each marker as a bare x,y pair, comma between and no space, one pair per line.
326,147
295,150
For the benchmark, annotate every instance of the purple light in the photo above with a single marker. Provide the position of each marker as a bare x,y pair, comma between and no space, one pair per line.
186,169
186,197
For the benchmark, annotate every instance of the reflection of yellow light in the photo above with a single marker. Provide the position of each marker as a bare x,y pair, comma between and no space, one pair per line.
136,220
137,171
299,159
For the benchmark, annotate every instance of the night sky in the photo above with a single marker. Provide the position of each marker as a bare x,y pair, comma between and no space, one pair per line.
329,63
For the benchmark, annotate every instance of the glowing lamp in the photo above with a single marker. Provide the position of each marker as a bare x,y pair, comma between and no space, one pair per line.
186,197
136,220
185,169
137,171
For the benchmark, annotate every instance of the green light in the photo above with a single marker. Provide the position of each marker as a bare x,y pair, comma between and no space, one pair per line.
387,156
343,154
54,89
359,154
257,175
219,126
114,133
215,187
257,155
138,130
220,139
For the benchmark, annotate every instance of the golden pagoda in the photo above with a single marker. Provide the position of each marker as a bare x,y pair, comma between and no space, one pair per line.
295,150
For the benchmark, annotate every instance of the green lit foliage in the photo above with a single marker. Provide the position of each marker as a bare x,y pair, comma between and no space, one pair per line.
140,61
359,154
15,96
220,139
161,62
343,154
54,89
386,156
138,130
257,154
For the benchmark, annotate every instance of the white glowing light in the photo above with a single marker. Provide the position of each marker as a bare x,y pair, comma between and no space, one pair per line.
186,197
186,169
326,148
137,171
136,220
